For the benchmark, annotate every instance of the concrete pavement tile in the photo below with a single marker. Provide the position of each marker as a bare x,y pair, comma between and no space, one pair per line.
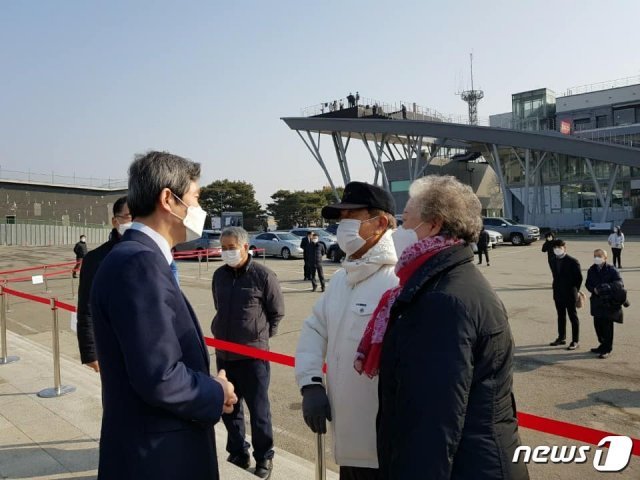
51,429
27,462
75,455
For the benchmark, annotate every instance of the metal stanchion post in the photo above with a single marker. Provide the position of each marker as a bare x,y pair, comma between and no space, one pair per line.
264,256
3,330
7,304
207,259
321,470
44,277
199,264
73,287
59,389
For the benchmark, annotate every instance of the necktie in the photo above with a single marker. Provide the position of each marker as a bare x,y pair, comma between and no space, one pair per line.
174,270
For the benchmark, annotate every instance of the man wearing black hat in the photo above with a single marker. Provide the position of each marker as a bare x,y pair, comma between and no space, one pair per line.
333,330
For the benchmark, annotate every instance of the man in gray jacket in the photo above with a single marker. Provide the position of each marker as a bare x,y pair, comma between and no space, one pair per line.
249,305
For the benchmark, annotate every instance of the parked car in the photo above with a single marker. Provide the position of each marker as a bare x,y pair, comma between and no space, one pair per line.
495,238
280,244
335,254
512,231
332,229
210,239
325,238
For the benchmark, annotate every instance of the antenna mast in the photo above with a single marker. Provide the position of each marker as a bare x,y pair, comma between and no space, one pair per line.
472,97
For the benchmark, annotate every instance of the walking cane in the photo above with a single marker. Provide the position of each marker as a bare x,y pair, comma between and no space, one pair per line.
321,471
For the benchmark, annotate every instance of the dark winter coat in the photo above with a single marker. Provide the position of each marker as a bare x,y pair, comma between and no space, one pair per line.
90,264
447,409
567,279
607,303
313,254
483,240
303,245
80,249
547,247
249,306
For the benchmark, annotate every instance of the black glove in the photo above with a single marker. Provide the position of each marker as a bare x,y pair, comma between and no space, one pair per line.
315,408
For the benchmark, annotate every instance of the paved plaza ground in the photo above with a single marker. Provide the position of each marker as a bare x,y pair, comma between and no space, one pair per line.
552,382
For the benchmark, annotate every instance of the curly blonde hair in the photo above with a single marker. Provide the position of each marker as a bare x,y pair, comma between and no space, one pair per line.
443,197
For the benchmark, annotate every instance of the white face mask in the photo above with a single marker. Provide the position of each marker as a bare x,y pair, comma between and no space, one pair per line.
348,234
598,260
559,252
123,227
232,257
314,240
404,238
193,221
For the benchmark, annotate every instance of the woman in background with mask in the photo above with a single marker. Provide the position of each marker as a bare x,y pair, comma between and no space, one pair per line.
607,298
446,363
616,242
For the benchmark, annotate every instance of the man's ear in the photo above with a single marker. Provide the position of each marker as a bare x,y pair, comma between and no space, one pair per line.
165,199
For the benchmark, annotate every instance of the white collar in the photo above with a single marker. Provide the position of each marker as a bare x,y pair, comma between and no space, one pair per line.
162,242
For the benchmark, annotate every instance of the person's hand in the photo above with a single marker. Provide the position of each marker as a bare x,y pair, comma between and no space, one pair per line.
315,408
94,366
230,398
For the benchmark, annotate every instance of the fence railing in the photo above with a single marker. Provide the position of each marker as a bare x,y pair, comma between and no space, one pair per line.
46,235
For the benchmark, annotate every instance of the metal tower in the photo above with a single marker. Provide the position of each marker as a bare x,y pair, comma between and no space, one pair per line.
472,97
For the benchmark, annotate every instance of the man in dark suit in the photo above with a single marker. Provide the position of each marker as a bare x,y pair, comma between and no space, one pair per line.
80,250
120,222
159,401
303,245
567,279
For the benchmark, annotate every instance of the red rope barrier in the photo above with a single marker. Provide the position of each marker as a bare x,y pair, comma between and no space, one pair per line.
526,420
41,267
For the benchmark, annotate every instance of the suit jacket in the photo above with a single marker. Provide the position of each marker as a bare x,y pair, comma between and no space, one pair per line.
90,264
159,401
567,279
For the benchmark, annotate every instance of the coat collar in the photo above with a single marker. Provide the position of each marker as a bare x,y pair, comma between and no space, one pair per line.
439,263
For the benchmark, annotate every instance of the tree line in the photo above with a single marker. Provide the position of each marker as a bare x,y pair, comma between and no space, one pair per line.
289,208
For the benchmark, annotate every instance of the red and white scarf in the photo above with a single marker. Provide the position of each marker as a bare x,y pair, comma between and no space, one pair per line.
367,359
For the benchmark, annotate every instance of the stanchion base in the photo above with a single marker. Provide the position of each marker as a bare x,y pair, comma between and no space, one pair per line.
9,359
54,392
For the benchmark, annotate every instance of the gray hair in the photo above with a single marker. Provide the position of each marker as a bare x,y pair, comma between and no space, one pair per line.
443,197
239,233
149,174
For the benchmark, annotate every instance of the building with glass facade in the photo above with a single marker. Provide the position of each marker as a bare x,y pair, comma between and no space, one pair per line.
566,191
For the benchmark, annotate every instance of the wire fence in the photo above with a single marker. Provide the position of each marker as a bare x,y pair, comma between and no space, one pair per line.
67,180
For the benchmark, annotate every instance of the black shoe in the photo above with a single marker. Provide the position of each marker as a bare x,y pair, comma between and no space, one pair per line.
605,355
263,468
573,346
322,289
597,350
243,460
557,342
313,289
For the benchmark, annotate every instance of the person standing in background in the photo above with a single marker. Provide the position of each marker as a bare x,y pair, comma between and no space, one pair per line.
616,242
120,222
483,246
80,250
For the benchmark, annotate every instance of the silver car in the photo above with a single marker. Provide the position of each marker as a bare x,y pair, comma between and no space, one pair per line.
280,244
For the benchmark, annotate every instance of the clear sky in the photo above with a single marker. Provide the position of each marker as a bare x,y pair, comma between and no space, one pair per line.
86,84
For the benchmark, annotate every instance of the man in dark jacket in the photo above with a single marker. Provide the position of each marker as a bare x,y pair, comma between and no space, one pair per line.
547,247
120,221
314,253
80,250
159,400
607,297
249,305
303,245
567,279
483,246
